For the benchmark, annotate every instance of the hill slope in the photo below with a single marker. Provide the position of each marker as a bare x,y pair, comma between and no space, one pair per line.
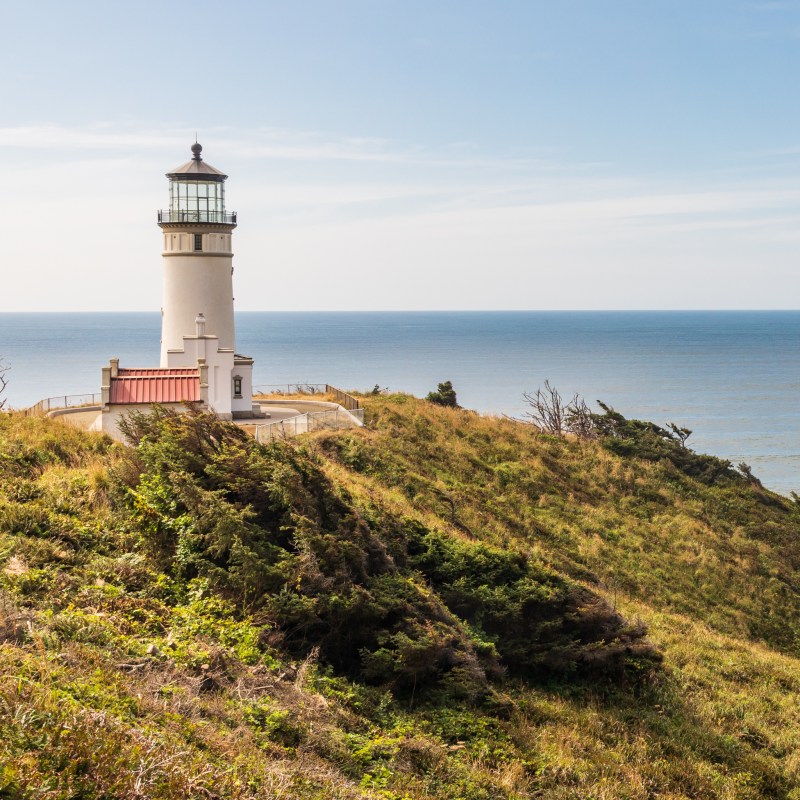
437,605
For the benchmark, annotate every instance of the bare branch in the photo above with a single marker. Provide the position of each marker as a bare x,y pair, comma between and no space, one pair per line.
579,419
547,409
3,383
550,413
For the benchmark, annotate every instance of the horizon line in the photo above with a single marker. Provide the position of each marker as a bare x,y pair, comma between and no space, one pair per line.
430,310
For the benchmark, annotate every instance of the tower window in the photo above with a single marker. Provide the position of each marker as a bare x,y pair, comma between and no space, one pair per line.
198,242
237,387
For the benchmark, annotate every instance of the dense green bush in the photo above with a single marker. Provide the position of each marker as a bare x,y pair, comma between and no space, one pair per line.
540,623
445,395
384,601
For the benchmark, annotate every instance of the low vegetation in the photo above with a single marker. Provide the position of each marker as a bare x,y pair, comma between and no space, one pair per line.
445,395
439,604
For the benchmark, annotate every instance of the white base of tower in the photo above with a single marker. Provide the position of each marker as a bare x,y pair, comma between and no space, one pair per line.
230,376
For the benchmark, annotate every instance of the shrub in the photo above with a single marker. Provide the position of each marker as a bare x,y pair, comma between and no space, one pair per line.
445,395
540,623
646,440
387,602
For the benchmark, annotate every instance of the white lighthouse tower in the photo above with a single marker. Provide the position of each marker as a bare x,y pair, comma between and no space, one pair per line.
197,315
198,260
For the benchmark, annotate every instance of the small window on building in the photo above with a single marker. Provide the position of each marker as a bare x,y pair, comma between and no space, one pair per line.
237,387
198,242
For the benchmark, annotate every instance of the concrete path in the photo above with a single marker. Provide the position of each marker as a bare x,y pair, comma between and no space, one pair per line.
298,406
275,413
276,410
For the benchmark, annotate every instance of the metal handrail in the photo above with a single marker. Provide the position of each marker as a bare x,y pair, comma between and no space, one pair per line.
214,217
342,398
290,388
44,407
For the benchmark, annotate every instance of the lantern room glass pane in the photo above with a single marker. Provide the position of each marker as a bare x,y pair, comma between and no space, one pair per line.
196,201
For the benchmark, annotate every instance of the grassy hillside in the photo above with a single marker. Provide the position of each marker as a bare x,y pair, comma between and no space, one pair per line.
438,605
725,553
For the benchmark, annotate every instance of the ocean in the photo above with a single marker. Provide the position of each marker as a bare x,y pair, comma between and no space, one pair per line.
732,377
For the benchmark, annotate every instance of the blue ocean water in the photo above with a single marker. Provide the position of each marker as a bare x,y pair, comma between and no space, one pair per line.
732,377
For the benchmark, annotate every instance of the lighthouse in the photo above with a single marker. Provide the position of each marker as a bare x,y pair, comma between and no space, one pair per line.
197,321
199,362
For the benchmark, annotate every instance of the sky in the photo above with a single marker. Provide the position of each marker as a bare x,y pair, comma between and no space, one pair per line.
409,154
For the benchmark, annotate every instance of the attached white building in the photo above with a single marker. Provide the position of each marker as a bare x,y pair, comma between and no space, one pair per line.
199,362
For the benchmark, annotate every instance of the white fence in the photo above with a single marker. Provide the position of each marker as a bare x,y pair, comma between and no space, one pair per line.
335,419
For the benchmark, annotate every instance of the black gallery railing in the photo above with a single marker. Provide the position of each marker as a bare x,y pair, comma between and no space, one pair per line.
214,217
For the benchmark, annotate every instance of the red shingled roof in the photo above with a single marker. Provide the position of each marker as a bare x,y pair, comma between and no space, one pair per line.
155,386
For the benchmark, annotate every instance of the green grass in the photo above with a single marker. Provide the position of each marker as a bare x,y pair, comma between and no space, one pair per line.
439,604
727,554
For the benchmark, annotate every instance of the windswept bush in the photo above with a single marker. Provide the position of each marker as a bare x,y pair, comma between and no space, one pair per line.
540,623
651,442
384,601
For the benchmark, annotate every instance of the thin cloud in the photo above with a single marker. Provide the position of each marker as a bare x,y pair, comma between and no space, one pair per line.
386,204
276,144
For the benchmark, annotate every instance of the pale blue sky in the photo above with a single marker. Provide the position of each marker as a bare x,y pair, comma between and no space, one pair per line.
403,154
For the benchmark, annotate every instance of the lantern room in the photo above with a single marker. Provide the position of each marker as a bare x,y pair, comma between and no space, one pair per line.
197,194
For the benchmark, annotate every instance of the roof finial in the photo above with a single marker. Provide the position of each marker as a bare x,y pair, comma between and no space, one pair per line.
196,150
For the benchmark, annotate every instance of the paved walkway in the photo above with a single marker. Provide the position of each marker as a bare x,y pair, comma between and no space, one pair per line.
276,410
